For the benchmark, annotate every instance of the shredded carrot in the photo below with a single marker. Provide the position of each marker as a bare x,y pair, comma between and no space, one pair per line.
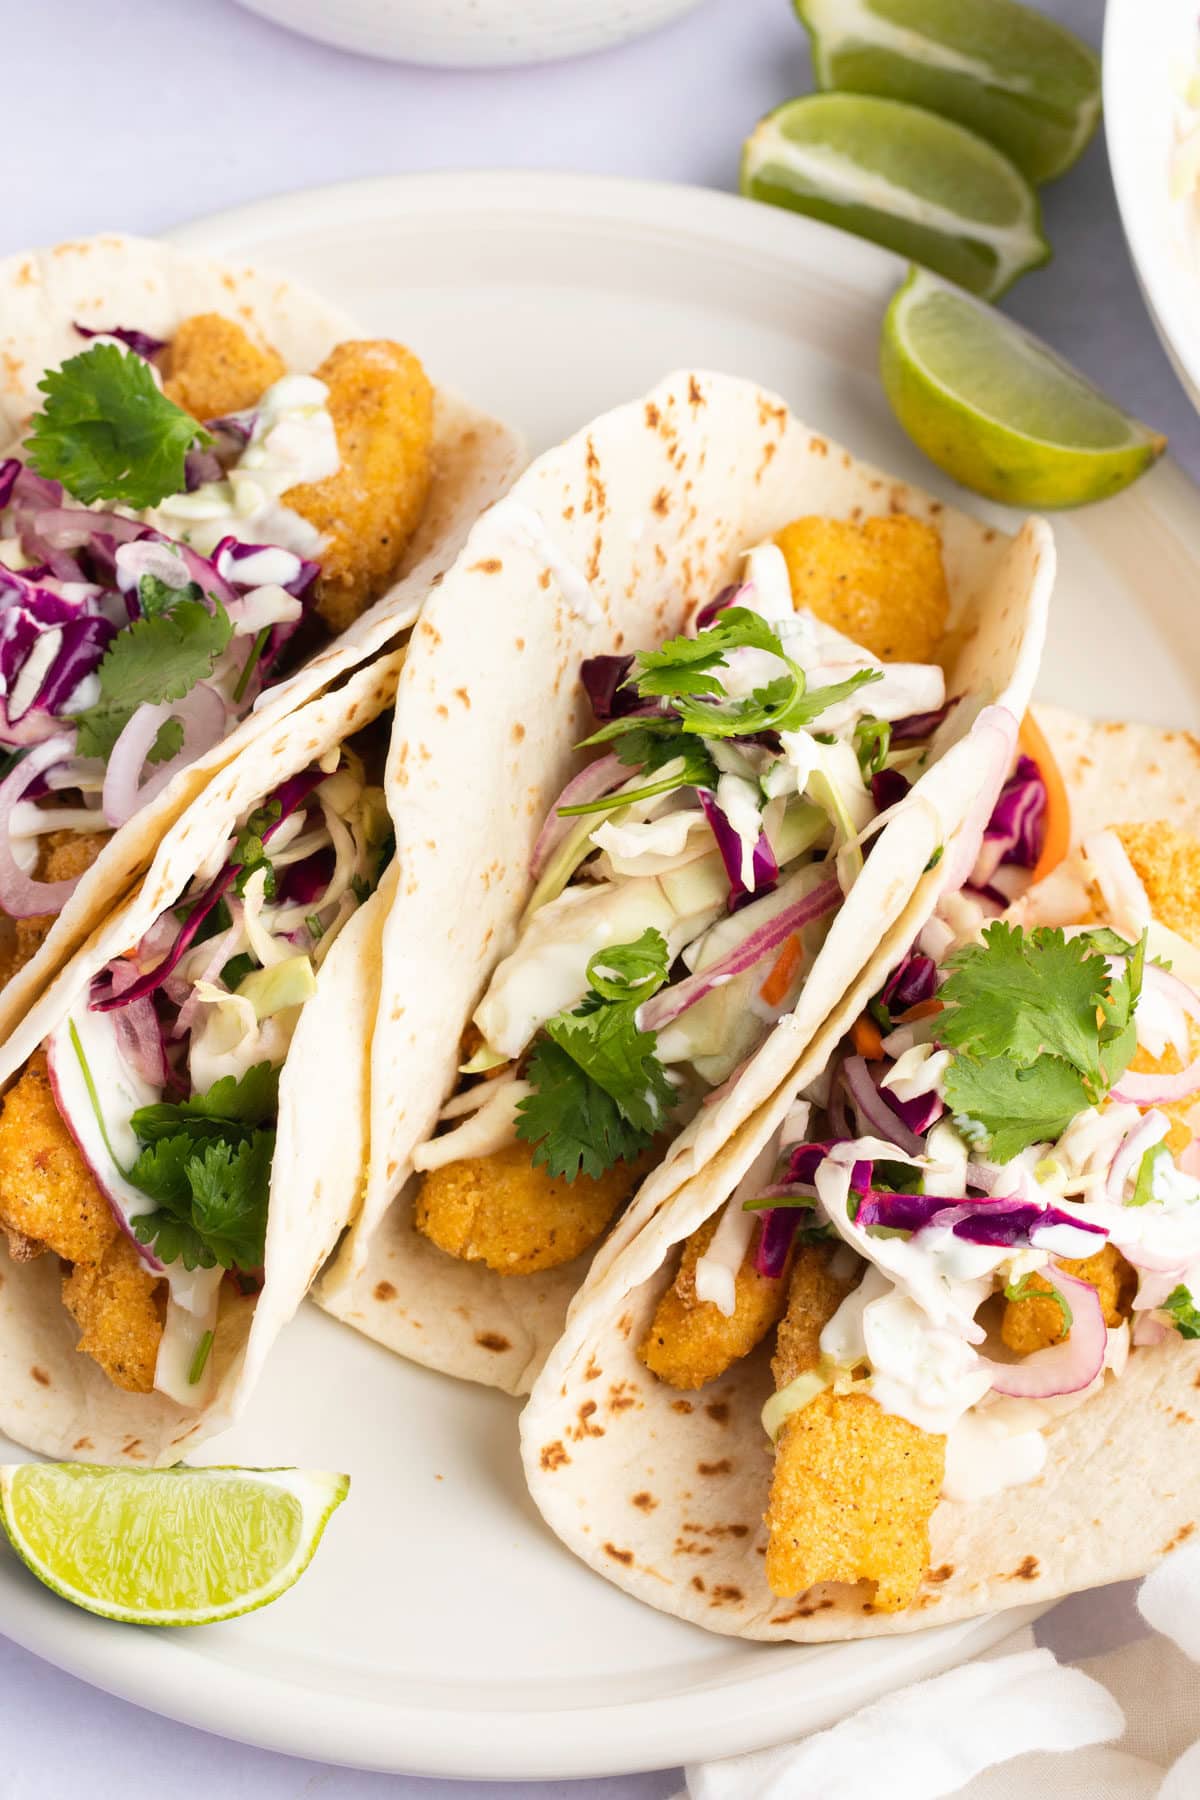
924,1009
866,1037
1056,840
783,969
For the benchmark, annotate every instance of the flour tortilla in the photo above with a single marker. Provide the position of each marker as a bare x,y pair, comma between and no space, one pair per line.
664,1493
606,543
60,1403
106,281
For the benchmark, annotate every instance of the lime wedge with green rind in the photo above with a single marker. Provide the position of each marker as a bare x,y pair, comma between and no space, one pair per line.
167,1546
998,410
1002,70
907,179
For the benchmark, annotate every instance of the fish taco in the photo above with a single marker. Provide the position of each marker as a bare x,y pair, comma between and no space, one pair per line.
183,1127
214,495
921,1343
632,891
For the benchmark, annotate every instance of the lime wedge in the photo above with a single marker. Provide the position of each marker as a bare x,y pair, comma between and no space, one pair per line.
903,178
167,1546
997,409
1001,69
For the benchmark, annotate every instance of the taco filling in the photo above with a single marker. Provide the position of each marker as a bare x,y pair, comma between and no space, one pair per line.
685,881
984,1209
181,521
137,1142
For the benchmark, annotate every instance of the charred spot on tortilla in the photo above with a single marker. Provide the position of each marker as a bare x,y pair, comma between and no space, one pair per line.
718,1410
942,1573
490,565
384,1291
644,1502
621,1556
1180,1537
492,1340
726,1594
1026,1570
722,1467
593,1370
40,1376
698,1584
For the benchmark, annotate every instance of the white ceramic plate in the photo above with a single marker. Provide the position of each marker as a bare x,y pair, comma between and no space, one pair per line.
1148,50
441,1629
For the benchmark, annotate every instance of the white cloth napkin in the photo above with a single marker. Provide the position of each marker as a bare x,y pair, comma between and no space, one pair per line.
1001,1728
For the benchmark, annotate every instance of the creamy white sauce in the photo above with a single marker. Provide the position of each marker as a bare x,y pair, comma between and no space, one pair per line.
716,1270
984,1457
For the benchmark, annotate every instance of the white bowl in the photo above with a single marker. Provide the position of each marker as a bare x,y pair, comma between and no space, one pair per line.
471,33
1148,46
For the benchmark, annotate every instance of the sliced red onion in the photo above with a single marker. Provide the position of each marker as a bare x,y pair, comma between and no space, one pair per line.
888,788
199,468
222,949
874,1110
728,596
671,1001
203,714
598,778
1148,1331
21,897
994,734
764,870
140,342
139,1039
303,882
290,794
10,468
1066,1367
920,725
1148,1090
1129,1152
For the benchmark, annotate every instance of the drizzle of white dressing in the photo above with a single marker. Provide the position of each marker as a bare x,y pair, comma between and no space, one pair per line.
528,529
491,1126
192,1310
984,1456
716,1270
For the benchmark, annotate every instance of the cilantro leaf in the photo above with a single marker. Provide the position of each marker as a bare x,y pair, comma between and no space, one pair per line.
783,705
872,741
684,665
576,1126
168,741
1143,1187
1005,1106
151,661
1183,1312
156,596
249,851
108,432
600,1092
233,1107
212,1200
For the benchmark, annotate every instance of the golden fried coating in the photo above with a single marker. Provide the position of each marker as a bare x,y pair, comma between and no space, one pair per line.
382,408
502,1211
48,1194
881,583
62,855
690,1342
1168,863
119,1308
851,1498
1030,1325
212,367
814,1295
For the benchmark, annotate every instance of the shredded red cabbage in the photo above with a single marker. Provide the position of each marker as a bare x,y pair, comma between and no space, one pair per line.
778,1228
302,882
1017,826
604,679
764,870
918,1114
888,788
920,725
914,981
717,604
1002,1223
289,794
140,342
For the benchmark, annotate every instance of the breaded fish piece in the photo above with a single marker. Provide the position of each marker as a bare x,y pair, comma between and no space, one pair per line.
881,583
1030,1325
691,1342
382,407
502,1211
212,367
119,1308
48,1195
62,856
1167,862
854,1487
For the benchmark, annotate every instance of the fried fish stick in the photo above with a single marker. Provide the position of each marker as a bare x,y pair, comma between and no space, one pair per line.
119,1308
854,1487
212,367
382,408
881,583
691,1342
48,1195
1034,1324
502,1211
1167,862
62,856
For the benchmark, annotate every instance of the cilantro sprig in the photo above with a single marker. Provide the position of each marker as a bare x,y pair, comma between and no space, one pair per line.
600,1093
206,1162
108,432
153,660
249,851
1040,1031
1183,1313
